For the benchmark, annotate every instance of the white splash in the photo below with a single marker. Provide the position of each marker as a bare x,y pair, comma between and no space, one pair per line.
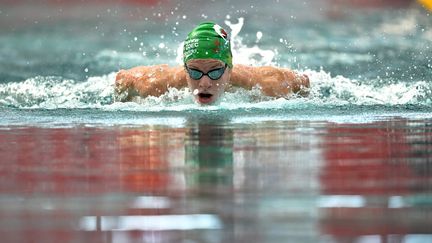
243,54
341,91
52,93
98,92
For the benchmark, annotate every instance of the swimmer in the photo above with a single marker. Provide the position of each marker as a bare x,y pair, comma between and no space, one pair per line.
208,71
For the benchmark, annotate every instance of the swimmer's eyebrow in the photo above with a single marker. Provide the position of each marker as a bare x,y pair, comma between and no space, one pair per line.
216,66
191,66
212,67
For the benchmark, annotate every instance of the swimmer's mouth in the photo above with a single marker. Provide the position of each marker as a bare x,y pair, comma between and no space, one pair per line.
205,95
205,98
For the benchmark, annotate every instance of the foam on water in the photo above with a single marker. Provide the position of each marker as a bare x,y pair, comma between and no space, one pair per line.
97,92
54,92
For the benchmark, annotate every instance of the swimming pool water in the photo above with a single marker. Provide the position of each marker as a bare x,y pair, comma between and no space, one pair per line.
207,181
349,163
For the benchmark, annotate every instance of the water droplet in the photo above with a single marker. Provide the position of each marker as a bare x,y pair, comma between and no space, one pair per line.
259,35
86,70
195,92
184,17
161,45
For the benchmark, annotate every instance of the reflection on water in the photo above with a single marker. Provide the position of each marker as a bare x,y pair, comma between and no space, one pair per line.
209,149
212,181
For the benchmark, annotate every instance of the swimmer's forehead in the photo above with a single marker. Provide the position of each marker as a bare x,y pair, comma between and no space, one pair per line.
205,62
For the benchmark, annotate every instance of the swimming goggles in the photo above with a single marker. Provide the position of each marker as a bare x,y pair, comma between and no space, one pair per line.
214,74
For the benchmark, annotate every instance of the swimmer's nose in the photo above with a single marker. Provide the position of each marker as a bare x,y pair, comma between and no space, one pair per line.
205,83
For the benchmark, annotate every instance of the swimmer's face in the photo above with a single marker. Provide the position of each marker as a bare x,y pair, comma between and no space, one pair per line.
206,89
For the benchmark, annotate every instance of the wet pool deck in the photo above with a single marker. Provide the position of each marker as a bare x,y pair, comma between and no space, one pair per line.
284,181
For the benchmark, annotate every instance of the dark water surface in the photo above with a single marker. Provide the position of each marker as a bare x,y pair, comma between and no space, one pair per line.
206,181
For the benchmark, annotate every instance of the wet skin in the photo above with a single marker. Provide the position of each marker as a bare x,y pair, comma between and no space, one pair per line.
143,81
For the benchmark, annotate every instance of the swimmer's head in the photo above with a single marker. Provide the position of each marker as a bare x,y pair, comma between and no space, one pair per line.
208,41
208,61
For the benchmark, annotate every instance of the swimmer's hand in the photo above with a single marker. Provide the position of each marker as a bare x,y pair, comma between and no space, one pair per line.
146,81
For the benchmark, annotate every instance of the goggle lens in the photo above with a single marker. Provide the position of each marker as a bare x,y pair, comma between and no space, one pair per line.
216,74
195,74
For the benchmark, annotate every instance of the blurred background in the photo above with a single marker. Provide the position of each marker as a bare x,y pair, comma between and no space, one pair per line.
76,39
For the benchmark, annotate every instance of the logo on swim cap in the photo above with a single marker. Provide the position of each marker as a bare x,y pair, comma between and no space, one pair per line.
220,31
208,41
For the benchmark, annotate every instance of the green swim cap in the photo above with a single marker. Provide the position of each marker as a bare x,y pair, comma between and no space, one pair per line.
208,41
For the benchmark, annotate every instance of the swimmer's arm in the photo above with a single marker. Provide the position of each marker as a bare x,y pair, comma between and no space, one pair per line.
274,81
148,81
